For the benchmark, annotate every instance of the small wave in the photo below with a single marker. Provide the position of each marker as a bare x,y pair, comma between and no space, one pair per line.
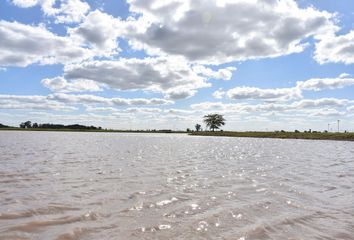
74,235
40,211
35,226
156,228
166,202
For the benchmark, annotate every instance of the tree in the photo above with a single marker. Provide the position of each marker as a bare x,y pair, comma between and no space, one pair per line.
214,121
26,124
197,127
35,125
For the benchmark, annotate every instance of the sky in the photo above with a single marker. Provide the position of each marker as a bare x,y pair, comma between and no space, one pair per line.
264,64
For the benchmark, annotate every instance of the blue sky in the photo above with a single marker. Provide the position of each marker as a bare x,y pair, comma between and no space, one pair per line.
264,65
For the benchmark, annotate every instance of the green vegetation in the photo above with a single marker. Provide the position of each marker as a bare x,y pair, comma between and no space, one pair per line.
214,121
90,130
198,127
3,126
29,125
282,134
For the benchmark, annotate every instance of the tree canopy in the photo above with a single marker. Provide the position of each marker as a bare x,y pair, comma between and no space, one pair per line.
3,126
214,121
28,124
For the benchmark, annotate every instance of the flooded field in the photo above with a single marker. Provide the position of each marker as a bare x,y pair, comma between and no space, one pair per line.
56,185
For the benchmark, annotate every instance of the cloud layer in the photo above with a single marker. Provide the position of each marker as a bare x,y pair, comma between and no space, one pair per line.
22,45
172,76
68,11
250,29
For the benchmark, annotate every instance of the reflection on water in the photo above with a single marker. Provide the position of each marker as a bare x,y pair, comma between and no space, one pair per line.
155,186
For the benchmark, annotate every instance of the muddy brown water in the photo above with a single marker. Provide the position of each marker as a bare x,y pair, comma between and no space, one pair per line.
57,185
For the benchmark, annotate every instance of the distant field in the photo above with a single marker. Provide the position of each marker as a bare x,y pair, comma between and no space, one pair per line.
284,135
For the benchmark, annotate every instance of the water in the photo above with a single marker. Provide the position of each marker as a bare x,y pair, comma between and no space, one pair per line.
154,186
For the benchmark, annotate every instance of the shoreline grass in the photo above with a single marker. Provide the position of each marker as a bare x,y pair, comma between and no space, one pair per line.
281,135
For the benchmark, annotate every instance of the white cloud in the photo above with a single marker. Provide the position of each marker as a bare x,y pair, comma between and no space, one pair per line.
180,93
224,73
93,99
335,49
32,102
266,94
171,76
69,102
286,94
327,113
59,84
217,31
266,107
64,11
100,31
21,45
25,3
345,75
219,94
322,102
318,84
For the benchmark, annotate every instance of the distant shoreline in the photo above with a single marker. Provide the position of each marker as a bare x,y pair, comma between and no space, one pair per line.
281,135
87,130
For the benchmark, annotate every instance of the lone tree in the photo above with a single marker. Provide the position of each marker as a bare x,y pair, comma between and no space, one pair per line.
197,127
214,121
26,124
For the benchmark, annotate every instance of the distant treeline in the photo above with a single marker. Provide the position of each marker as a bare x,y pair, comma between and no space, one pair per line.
29,124
3,126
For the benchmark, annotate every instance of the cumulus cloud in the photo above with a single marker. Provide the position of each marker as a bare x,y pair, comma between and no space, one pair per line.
69,102
223,74
100,31
216,31
180,93
32,102
277,107
64,11
327,113
60,84
318,84
265,94
219,94
21,45
286,94
345,75
322,102
93,99
167,75
25,3
335,49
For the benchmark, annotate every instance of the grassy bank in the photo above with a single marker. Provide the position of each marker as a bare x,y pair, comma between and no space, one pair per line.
283,135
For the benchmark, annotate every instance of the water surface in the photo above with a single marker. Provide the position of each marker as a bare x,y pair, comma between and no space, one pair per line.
57,185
